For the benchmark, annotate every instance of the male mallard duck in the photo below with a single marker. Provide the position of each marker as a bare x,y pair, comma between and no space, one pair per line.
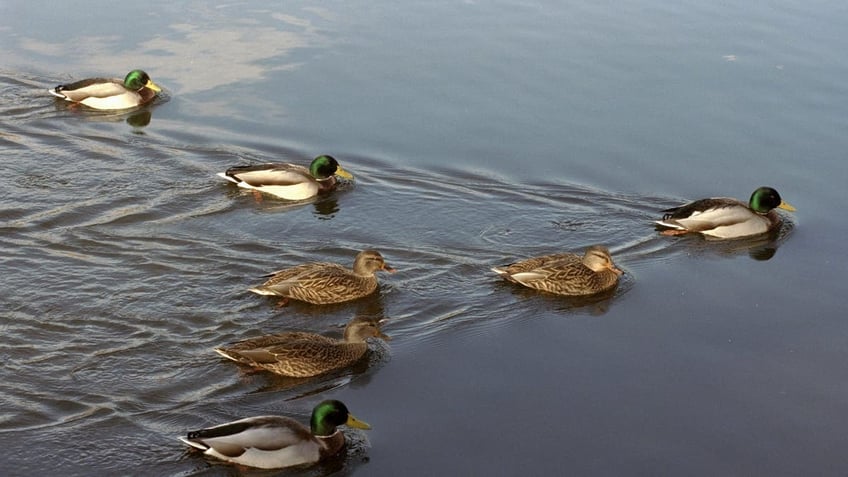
300,355
565,273
110,93
323,283
289,181
272,442
726,218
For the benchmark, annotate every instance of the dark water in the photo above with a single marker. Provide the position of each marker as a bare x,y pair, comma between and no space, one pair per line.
478,133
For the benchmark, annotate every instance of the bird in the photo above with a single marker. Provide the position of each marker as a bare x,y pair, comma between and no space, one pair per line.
725,217
565,273
289,181
273,442
300,354
323,283
110,93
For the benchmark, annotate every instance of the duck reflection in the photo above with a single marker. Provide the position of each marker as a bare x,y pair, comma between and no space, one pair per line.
138,118
761,248
326,207
595,305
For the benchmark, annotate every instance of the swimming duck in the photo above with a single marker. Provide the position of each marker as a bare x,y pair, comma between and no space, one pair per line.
273,442
110,93
300,355
565,273
322,283
289,181
726,218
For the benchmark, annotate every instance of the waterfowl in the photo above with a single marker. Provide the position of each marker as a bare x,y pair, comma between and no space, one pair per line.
323,283
289,181
273,442
565,273
726,218
300,354
110,93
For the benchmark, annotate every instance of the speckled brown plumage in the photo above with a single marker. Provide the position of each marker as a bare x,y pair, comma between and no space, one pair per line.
565,273
300,354
323,283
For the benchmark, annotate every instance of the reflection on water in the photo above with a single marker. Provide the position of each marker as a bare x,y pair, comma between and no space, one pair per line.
192,58
137,117
325,206
594,305
760,248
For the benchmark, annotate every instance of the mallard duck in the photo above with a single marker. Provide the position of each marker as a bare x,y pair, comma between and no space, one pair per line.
273,442
110,93
726,218
565,273
322,283
300,355
289,181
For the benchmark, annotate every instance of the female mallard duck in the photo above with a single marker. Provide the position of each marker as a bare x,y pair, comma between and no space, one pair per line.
323,283
110,93
289,181
301,355
726,218
565,273
273,442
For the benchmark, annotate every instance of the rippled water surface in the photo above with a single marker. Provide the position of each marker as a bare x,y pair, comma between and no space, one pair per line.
479,133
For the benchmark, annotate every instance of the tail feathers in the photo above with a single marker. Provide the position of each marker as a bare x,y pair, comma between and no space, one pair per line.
669,225
197,445
499,271
225,354
264,291
57,92
229,178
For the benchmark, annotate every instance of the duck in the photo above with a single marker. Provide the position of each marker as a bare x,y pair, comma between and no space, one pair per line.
322,283
289,181
274,442
566,274
725,217
135,90
300,354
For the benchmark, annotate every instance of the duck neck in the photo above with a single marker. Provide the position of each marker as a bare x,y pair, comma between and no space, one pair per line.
332,444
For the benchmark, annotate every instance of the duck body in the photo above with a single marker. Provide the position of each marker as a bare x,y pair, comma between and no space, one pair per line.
325,283
300,354
565,273
273,442
134,90
289,181
725,217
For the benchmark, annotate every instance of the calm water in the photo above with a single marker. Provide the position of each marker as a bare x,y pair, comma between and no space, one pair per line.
479,133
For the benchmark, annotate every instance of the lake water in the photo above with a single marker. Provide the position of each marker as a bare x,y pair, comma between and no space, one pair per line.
479,133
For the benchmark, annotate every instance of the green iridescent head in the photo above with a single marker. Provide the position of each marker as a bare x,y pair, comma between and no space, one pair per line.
137,79
330,414
766,198
323,167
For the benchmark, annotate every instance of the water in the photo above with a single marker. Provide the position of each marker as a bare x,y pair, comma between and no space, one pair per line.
479,133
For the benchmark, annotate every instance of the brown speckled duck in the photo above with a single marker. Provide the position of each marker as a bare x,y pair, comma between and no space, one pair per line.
323,283
565,273
300,355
